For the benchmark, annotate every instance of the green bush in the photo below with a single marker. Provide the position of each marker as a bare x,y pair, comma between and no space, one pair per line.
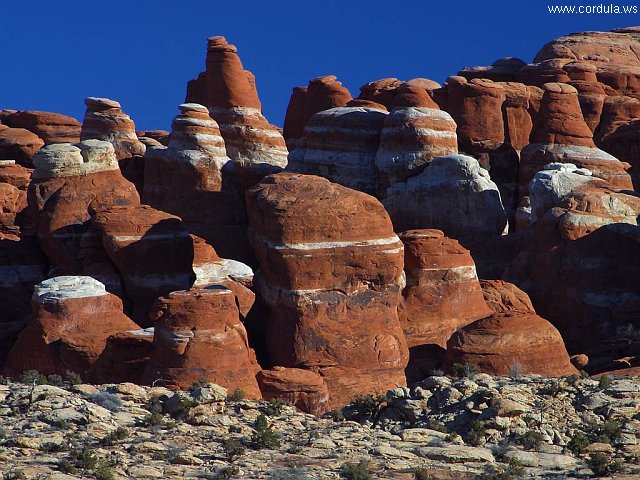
422,474
436,425
274,407
602,465
263,435
356,471
236,396
15,474
604,382
465,370
33,376
103,472
476,434
578,443
114,437
531,440
233,448
110,401
72,378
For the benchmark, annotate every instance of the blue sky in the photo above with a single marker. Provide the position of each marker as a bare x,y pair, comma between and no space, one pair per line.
143,52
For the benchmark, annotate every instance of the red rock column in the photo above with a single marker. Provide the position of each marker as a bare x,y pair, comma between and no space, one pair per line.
332,276
199,336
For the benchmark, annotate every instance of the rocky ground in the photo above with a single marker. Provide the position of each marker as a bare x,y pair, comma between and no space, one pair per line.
475,427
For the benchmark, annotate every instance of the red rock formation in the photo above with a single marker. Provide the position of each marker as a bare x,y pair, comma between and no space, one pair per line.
18,144
210,269
340,144
442,291
503,297
152,251
256,146
295,120
124,358
14,180
72,319
381,91
413,96
193,178
70,184
50,127
322,93
502,70
580,267
331,275
409,139
105,120
498,343
161,136
199,336
303,389
562,135
476,107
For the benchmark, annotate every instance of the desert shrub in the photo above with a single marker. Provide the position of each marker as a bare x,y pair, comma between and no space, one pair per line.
604,382
237,395
202,383
227,473
609,432
110,401
103,472
114,437
55,380
15,474
515,468
31,377
83,458
476,434
52,447
602,464
65,466
531,440
72,378
515,370
233,448
263,435
465,370
436,425
422,474
364,407
356,471
274,407
291,473
552,388
578,443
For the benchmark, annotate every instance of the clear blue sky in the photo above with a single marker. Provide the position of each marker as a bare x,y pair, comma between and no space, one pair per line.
143,52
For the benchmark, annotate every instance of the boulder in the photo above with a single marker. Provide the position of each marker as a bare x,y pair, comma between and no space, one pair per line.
501,342
294,120
331,273
72,318
50,127
199,336
341,144
304,389
105,120
193,178
503,297
19,144
381,91
410,138
454,195
502,70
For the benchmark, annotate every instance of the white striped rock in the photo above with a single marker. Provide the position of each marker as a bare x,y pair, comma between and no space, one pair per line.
105,120
331,273
229,92
70,183
193,178
72,318
199,336
340,144
562,135
410,138
455,195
